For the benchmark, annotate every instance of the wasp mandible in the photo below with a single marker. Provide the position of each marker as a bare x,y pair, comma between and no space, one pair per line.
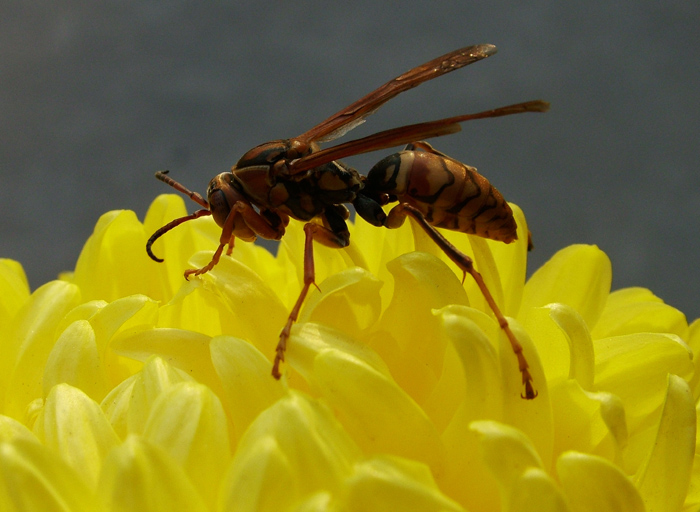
295,178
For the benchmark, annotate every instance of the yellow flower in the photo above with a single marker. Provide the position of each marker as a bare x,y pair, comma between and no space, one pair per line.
124,387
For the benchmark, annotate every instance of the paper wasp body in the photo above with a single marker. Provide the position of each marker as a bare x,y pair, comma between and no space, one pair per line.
295,178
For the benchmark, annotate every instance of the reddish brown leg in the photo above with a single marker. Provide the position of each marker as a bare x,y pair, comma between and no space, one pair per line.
256,224
327,237
465,263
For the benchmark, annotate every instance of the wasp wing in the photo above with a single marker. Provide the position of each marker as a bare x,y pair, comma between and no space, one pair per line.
407,134
353,115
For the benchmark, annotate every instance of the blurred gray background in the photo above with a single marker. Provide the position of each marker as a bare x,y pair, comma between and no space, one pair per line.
95,97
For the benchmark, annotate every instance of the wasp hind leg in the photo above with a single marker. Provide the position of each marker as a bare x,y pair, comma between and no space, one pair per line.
333,233
396,217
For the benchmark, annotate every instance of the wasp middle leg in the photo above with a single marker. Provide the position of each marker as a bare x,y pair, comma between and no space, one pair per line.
332,233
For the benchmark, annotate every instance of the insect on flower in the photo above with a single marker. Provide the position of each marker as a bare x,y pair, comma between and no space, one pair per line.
295,178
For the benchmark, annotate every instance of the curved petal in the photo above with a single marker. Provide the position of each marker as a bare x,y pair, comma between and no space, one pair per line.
140,476
128,405
563,343
75,360
295,436
390,483
379,415
482,396
11,429
410,348
34,478
536,491
14,289
632,310
186,350
634,367
114,263
664,478
590,422
188,421
507,452
76,428
255,310
245,377
349,301
594,483
578,276
26,352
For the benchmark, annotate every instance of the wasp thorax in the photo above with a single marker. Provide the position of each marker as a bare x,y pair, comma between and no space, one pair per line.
264,154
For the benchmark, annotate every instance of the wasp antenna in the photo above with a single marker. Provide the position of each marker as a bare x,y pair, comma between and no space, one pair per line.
170,225
195,196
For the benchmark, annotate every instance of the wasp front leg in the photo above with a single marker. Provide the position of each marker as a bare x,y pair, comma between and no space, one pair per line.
333,233
246,223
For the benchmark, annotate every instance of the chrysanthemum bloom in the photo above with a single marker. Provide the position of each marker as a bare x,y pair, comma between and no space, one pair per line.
124,387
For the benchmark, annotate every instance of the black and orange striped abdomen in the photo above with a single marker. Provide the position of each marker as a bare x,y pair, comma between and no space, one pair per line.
448,193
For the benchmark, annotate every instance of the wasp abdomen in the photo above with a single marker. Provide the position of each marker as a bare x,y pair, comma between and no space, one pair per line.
448,193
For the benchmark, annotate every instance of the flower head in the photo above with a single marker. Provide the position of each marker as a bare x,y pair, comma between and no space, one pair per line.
124,386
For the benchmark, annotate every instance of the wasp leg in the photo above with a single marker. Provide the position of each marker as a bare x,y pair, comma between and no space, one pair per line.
464,262
325,236
256,223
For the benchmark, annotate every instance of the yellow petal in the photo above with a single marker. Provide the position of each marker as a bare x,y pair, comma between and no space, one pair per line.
375,411
11,429
466,478
578,276
309,341
536,491
255,309
114,263
483,394
532,417
193,308
128,405
26,352
261,479
188,421
140,476
14,290
594,483
186,350
486,266
296,436
391,483
33,478
421,283
178,245
694,344
632,310
245,378
75,360
563,343
665,476
349,301
506,451
75,427
591,422
634,367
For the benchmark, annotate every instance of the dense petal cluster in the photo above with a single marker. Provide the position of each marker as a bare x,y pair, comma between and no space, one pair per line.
124,387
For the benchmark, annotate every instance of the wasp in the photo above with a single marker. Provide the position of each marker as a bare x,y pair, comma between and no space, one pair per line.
296,178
